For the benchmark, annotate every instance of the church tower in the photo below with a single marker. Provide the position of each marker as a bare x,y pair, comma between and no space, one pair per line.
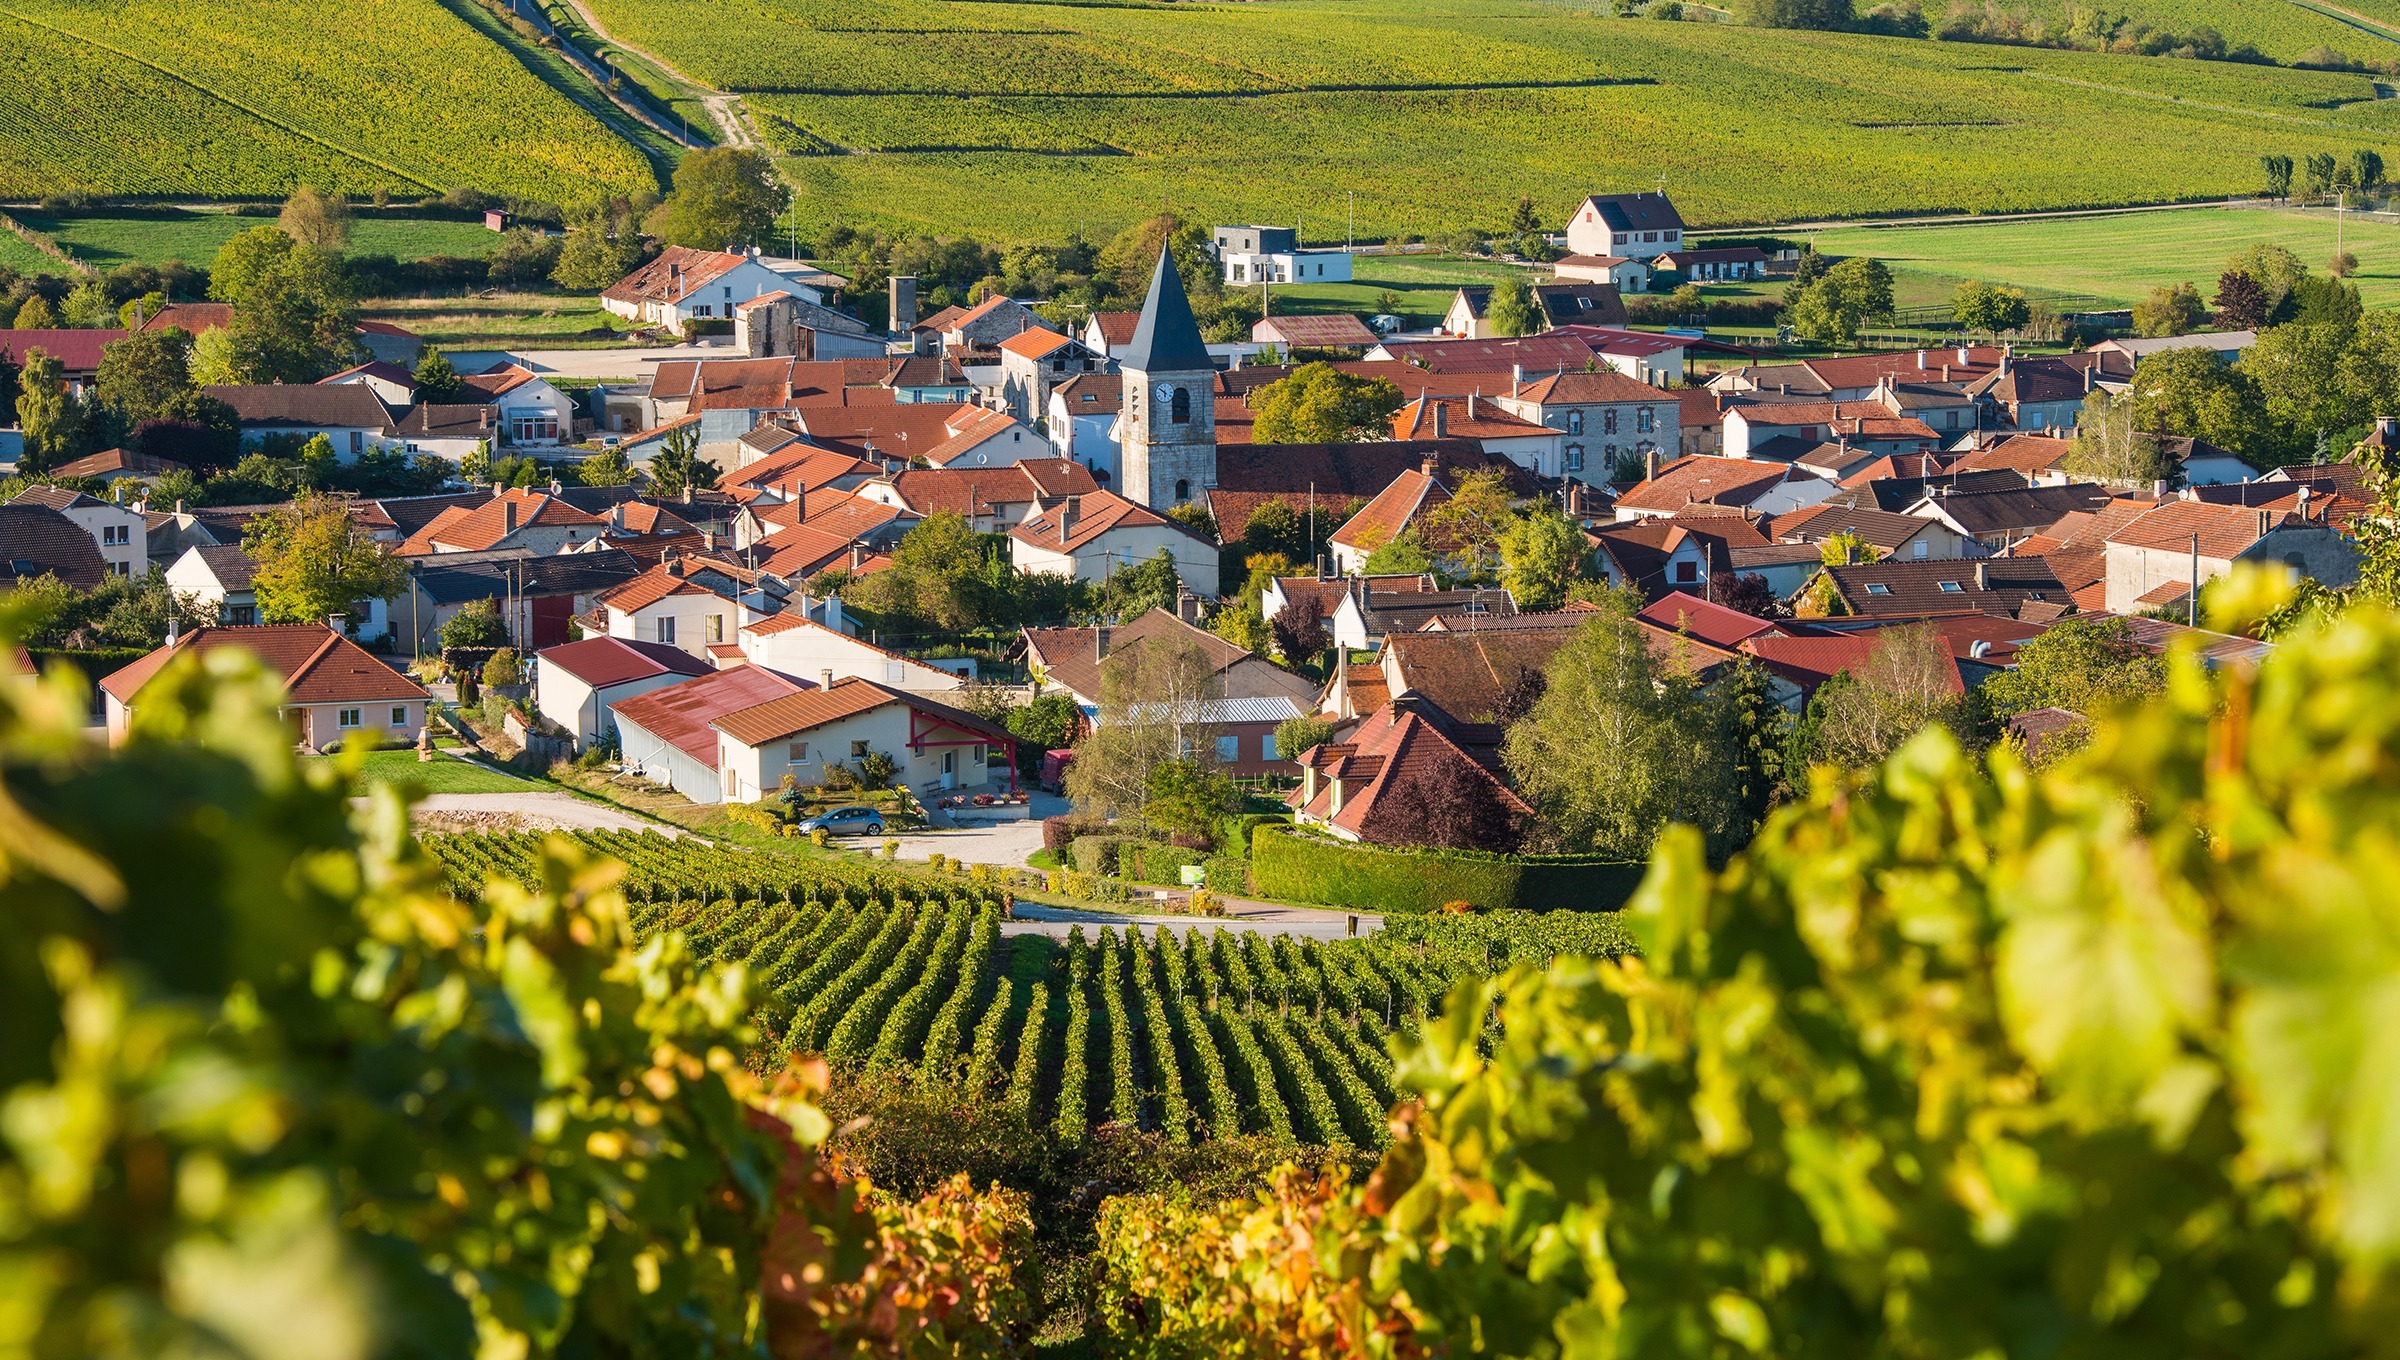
1168,430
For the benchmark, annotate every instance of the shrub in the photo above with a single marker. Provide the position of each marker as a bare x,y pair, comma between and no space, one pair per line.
1151,862
1102,854
891,849
1227,873
1060,832
819,837
1301,867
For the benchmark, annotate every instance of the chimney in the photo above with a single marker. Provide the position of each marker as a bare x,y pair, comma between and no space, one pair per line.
858,555
799,501
708,540
828,675
179,506
1516,378
337,622
2088,370
499,488
1966,357
2262,524
1920,361
1099,643
1650,464
1441,423
903,299
1431,466
1067,515
1983,576
2387,426
508,513
1945,373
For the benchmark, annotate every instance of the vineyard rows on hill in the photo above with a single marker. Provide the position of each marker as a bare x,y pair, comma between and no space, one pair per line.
1189,1036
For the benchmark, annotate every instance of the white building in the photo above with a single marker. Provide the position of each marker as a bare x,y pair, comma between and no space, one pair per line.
1625,226
938,749
808,649
575,684
1253,255
687,604
1091,536
122,534
217,577
684,285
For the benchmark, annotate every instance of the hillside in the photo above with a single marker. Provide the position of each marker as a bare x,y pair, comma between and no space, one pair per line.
1030,119
235,98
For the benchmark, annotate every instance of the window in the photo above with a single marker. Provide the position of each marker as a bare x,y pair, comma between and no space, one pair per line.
1183,490
358,442
1229,749
1649,235
1950,420
1674,235
894,672
347,717
243,615
1687,571
114,536
705,310
399,715
666,631
119,569
714,627
858,750
732,783
1952,588
796,754
1645,420
1574,457
533,425
729,290
1180,410
1574,422
1619,238
983,754
949,762
1608,421
1878,588
1921,547
1266,748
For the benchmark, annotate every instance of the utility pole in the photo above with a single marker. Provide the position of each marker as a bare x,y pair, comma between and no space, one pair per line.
2191,604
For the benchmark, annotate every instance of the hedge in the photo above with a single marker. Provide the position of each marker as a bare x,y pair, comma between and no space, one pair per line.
1151,862
1228,874
1299,867
1060,832
1103,854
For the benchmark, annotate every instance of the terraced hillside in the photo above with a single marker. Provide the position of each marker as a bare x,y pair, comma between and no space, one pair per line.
1020,119
234,98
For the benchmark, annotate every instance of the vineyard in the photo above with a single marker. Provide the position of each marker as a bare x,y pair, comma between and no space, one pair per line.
1191,1036
249,97
1017,120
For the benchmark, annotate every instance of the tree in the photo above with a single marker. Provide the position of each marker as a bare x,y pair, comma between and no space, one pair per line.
1320,404
438,382
313,561
2276,171
194,429
2317,173
1134,590
1446,804
2241,302
2343,264
1544,553
1243,626
1608,752
604,244
2087,666
1047,722
50,415
1464,529
314,219
1299,629
1127,260
1847,548
1296,736
294,318
1157,697
1403,554
722,197
1524,220
1512,310
140,376
605,468
36,315
2169,311
2366,168
1991,308
1745,591
1845,297
523,258
2109,447
134,312
1189,794
214,362
87,307
1829,15
936,577
2192,394
475,626
1194,516
1861,716
10,374
2298,369
677,467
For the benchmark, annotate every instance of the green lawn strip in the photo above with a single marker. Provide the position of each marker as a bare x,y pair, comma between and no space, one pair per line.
194,236
509,321
442,774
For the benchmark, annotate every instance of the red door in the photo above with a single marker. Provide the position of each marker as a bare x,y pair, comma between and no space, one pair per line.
550,616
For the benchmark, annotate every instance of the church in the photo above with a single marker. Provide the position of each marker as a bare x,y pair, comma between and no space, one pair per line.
1167,429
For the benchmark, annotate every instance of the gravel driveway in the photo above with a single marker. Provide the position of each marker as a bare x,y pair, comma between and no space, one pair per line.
530,811
1009,843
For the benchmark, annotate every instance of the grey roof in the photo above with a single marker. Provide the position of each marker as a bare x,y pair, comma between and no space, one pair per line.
36,540
1167,338
431,420
53,497
232,567
582,573
1637,212
2014,511
1259,708
305,405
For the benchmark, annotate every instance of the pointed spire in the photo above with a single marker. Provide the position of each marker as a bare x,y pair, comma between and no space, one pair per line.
1167,339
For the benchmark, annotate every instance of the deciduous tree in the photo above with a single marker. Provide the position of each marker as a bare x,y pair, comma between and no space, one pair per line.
1320,404
723,197
1512,309
1157,702
677,467
314,561
315,219
2168,310
2109,447
1543,553
51,416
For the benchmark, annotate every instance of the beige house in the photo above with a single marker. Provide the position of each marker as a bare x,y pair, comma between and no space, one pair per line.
939,749
335,691
1087,537
122,534
802,647
2151,560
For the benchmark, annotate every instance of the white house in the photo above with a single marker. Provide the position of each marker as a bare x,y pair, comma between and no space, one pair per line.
393,385
1635,226
684,285
938,749
350,416
1088,537
1257,254
685,603
1529,444
217,577
981,438
121,533
530,411
796,645
1082,421
575,683
664,735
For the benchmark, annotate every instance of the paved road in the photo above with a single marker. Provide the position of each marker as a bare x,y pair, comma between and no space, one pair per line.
540,810
1008,843
1255,917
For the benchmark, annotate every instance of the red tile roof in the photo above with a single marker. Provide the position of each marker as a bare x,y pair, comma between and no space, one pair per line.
1390,748
1811,661
77,351
318,665
1035,344
2224,531
1700,478
680,715
1096,513
603,661
487,526
796,713
1608,385
1462,418
1391,512
677,273
1711,623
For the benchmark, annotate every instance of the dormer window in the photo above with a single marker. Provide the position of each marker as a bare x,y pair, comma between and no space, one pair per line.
1878,588
1953,588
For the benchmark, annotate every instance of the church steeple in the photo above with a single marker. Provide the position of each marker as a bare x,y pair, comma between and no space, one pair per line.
1167,432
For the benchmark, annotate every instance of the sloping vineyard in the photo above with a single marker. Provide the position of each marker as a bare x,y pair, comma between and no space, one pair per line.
1188,1036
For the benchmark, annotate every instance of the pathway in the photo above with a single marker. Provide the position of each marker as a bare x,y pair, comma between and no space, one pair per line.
1259,918
538,810
726,109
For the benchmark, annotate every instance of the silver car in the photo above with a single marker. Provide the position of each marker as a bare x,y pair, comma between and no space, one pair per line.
846,821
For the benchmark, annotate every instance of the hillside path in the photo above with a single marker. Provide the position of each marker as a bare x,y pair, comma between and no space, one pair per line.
726,109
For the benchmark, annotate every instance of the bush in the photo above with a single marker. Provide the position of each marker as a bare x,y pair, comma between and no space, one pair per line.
1300,867
1151,862
1233,833
1102,854
1060,832
1227,873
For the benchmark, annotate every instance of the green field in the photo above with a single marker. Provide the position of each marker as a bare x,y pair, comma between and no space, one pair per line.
17,253
2117,258
1031,120
194,236
442,774
502,321
235,98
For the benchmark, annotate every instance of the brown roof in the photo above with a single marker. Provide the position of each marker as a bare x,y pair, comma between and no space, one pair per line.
681,715
1117,328
318,665
1466,417
343,405
1811,661
117,460
1250,475
976,491
1992,584
1882,528
1719,481
2019,453
900,430
1391,512
603,661
191,317
36,540
2224,531
1339,330
1607,385
1467,673
677,273
1390,743
77,351
1535,352
1072,656
1711,623
795,713
1095,513
497,381
487,526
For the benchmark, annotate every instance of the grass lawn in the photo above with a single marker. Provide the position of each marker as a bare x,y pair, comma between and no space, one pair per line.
443,774
194,235
17,253
506,321
1425,284
2118,258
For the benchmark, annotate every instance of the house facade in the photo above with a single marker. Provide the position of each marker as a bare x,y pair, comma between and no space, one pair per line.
122,534
800,646
335,691
1599,417
1634,226
1090,536
937,749
575,684
684,285
217,577
1261,254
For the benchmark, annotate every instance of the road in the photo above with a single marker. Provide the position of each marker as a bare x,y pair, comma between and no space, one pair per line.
533,811
1257,918
723,107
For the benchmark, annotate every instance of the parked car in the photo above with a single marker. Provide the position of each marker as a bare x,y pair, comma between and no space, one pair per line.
1385,323
846,821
